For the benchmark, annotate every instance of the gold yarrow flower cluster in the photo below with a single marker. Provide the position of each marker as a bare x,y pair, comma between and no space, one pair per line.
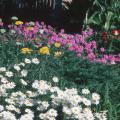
44,50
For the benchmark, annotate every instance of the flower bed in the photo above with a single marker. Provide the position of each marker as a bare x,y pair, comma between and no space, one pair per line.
42,35
32,54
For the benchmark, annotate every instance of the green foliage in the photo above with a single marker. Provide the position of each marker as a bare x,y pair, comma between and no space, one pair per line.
102,78
71,70
104,15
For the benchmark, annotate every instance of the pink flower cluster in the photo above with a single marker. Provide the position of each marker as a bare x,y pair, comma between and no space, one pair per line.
1,24
26,30
84,49
77,43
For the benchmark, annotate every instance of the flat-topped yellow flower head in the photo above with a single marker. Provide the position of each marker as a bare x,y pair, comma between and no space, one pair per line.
26,50
44,50
57,44
18,23
30,28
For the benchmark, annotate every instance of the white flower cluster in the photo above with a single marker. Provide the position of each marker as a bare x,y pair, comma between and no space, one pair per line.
5,85
17,70
42,100
34,61
49,115
41,86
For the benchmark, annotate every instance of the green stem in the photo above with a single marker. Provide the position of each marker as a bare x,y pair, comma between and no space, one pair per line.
110,46
64,116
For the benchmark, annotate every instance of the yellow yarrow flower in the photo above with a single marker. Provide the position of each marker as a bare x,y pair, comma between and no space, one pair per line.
26,50
30,28
18,22
57,44
44,50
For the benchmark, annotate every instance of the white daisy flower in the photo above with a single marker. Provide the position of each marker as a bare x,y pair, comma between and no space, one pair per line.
35,61
85,91
9,74
17,67
55,79
2,69
1,108
86,102
24,73
28,61
23,82
95,97
14,18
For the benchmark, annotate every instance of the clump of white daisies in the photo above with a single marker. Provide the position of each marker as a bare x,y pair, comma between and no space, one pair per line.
42,100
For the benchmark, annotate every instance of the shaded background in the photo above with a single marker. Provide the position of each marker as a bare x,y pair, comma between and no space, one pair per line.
70,19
